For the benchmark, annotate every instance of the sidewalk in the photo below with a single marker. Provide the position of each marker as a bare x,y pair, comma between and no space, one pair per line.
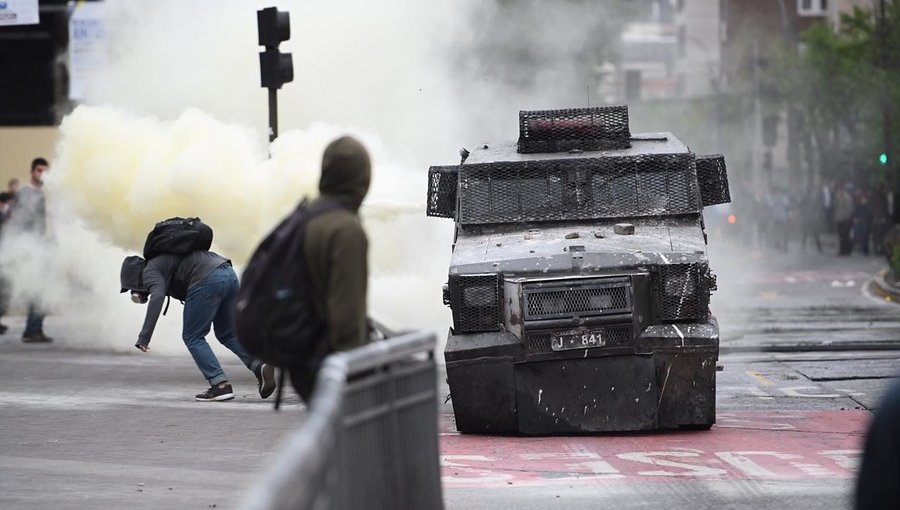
885,284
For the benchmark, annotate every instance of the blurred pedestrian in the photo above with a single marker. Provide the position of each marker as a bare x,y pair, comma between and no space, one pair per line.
335,251
208,285
29,215
6,199
862,221
827,200
12,188
880,217
780,206
843,218
811,220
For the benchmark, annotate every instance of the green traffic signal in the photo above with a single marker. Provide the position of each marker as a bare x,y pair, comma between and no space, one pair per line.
883,158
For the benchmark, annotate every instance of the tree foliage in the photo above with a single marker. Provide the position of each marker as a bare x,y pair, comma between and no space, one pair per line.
839,83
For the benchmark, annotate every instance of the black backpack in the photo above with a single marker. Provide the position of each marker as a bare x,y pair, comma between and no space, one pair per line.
274,316
178,236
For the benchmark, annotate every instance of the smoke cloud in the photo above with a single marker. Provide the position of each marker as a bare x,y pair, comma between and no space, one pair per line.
176,124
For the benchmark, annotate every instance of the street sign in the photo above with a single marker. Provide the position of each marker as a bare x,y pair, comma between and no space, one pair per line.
19,12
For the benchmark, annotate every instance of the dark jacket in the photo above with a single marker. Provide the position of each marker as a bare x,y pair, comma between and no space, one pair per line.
172,275
336,246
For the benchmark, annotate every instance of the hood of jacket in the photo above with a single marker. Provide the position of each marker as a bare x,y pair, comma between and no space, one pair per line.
346,172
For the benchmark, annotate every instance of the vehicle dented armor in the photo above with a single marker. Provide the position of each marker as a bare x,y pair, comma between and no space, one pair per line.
579,282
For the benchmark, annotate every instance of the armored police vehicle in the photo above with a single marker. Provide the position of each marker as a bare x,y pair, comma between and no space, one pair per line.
579,281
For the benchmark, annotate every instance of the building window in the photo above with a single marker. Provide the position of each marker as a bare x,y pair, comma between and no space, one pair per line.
812,7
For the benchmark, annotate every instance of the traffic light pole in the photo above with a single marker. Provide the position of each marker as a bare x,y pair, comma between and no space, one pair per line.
273,114
275,68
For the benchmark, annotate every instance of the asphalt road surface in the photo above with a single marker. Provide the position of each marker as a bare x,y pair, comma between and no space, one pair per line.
807,353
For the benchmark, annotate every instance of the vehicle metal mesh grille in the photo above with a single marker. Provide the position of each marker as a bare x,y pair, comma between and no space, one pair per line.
582,298
442,183
587,129
475,300
644,185
713,180
620,336
683,292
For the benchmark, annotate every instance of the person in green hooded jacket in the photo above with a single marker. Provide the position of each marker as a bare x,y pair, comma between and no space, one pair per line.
336,249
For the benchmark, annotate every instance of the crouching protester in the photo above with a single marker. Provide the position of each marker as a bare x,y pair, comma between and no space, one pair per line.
208,286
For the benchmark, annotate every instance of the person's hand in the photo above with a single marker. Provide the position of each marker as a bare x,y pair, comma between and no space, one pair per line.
142,348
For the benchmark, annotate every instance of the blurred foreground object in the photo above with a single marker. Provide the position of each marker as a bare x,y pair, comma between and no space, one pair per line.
370,436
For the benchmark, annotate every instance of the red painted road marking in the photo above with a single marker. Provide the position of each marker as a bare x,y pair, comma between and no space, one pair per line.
742,446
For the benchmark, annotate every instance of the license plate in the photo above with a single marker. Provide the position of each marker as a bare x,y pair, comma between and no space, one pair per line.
581,340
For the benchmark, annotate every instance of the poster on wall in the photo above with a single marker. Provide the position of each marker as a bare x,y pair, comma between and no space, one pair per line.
87,45
19,12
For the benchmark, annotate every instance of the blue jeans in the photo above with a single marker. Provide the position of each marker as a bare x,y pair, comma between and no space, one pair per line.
211,303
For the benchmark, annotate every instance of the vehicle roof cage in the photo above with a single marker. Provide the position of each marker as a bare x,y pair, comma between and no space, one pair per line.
586,129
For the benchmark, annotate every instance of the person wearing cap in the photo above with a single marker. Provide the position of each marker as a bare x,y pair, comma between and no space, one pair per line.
208,285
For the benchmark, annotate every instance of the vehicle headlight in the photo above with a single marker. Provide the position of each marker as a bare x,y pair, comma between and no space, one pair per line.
679,284
683,294
475,301
481,295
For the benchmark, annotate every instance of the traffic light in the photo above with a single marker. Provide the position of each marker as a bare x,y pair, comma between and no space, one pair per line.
276,68
883,159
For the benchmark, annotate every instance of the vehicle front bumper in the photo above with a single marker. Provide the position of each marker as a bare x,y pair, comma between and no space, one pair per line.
666,380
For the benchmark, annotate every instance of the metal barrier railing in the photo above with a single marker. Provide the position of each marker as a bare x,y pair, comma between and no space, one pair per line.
369,439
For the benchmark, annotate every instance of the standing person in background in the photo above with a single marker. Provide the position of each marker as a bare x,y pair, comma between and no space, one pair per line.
843,218
827,201
6,200
780,207
862,221
29,215
12,189
879,204
811,220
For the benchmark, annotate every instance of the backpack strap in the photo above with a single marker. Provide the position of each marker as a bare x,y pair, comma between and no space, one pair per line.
168,300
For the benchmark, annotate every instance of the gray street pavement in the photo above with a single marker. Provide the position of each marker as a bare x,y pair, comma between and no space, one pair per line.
99,430
82,429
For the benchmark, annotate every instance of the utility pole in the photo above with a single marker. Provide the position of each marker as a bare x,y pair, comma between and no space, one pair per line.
886,119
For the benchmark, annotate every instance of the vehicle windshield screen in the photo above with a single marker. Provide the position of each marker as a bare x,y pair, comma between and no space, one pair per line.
578,189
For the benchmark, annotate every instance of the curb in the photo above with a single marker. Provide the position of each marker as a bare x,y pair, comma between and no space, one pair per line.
883,288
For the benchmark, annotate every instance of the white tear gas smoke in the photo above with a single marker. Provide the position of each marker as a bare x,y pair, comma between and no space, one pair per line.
120,166
117,174
175,126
